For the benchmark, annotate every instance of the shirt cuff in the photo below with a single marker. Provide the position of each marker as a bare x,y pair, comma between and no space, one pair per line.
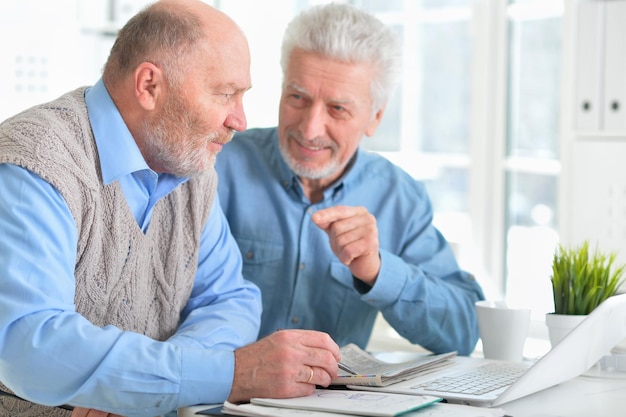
207,376
390,282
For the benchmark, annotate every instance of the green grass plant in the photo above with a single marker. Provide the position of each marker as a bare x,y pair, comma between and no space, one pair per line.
582,280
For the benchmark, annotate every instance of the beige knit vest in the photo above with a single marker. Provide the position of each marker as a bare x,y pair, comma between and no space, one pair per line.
135,281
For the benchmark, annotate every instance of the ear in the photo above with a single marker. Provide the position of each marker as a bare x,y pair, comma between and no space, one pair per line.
149,85
373,124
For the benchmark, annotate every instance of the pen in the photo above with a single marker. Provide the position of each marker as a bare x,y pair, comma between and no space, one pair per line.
346,368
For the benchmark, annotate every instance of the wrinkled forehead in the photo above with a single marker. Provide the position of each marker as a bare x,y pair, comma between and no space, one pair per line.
316,76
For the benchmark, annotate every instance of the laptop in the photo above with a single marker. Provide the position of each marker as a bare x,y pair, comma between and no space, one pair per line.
575,354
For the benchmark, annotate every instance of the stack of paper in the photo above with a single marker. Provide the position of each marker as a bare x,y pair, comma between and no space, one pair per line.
361,403
347,403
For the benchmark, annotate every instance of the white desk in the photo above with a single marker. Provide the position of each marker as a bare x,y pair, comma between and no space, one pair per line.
583,396
579,397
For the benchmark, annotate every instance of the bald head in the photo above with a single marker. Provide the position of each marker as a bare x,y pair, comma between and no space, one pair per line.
168,33
214,21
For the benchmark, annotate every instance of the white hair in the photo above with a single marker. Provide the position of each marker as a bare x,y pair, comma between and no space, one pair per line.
347,34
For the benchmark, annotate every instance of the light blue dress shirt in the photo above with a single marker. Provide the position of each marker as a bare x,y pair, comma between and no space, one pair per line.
69,359
420,289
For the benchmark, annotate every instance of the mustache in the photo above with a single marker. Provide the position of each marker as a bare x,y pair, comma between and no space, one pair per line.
316,142
222,138
215,137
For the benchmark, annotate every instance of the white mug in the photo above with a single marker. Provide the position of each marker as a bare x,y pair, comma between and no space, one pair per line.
503,330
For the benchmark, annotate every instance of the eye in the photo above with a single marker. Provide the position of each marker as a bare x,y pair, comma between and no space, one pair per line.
296,100
296,97
338,112
222,96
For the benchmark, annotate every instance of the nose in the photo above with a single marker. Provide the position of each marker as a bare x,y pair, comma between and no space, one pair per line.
313,122
236,120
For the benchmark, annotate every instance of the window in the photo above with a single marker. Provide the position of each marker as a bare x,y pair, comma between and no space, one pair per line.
532,153
475,116
441,143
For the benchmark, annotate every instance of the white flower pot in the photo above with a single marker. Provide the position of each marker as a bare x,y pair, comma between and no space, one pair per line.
559,325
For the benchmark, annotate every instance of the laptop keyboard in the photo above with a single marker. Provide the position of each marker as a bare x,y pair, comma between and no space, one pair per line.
481,380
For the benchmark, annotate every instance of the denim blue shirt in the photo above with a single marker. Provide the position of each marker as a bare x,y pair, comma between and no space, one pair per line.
420,289
81,364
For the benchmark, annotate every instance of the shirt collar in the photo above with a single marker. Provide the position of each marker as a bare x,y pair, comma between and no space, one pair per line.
118,151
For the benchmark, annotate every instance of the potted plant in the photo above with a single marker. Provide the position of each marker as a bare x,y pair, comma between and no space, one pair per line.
581,281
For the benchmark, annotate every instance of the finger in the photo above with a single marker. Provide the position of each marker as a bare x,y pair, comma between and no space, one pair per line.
88,412
317,350
79,412
324,366
324,217
351,239
320,341
309,374
360,222
318,376
360,236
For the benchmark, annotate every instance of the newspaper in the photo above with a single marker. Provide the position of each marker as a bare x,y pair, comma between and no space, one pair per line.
374,372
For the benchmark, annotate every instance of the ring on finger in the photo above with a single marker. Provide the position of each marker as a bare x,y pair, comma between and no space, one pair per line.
308,381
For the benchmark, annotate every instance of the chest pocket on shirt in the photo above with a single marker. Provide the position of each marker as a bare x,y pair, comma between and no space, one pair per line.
260,260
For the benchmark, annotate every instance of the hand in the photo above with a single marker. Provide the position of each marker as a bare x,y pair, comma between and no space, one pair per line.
285,364
88,412
353,237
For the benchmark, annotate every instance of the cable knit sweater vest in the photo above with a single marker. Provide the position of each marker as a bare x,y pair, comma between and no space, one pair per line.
135,281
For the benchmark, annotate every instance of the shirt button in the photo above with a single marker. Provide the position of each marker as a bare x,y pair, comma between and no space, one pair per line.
295,320
310,210
302,266
249,255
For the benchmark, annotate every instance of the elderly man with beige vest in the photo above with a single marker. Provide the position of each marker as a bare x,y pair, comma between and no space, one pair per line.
121,290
